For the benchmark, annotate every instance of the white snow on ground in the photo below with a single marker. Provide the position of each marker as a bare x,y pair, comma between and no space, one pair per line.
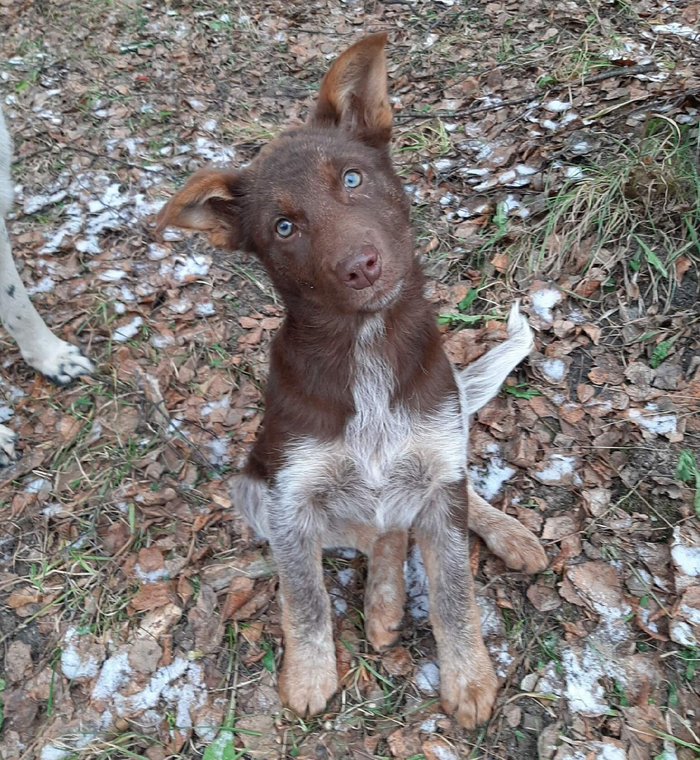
553,369
658,424
686,558
555,469
543,301
428,678
127,331
488,481
73,663
191,266
115,673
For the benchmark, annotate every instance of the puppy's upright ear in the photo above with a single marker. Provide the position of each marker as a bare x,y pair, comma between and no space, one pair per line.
210,201
354,93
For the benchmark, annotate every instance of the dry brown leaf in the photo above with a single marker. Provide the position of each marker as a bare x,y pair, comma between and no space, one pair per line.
239,592
397,661
153,595
23,596
439,749
543,598
403,743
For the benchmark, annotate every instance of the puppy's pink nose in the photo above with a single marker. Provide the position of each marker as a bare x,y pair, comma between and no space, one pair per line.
361,269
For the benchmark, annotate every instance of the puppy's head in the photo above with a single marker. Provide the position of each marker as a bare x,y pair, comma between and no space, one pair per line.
321,205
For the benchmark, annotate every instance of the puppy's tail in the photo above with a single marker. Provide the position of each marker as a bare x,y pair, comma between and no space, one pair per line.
482,379
5,160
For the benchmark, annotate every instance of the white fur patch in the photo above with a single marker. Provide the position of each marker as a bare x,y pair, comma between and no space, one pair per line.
390,461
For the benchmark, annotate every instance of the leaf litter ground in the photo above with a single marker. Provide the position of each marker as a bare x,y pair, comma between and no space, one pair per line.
550,151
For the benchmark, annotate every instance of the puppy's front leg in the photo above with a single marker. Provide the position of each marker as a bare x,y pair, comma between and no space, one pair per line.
468,682
309,678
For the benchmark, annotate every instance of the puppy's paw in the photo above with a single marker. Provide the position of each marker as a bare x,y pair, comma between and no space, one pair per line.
383,624
517,546
308,680
8,446
468,688
61,363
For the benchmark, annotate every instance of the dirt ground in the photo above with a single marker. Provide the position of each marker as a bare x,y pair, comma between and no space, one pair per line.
551,153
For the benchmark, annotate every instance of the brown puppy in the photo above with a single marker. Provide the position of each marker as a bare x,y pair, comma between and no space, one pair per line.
365,432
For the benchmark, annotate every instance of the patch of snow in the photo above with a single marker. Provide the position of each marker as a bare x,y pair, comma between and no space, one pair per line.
191,266
52,510
215,154
488,480
157,252
657,424
188,696
115,672
611,752
441,752
73,664
429,725
686,558
553,369
339,605
428,678
223,403
150,576
37,202
218,451
416,584
37,485
443,164
581,148
205,309
112,275
678,29
45,285
557,106
682,634
345,576
583,671
543,301
556,468
127,331
149,696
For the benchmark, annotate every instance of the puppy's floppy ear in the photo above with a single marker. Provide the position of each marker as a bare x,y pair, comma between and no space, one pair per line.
210,201
354,93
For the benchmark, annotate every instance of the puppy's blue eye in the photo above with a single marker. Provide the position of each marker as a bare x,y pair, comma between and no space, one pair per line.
352,179
284,228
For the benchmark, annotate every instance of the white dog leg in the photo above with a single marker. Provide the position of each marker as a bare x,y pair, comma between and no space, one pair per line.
61,362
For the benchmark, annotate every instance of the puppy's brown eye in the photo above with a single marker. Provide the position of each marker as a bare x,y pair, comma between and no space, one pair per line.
284,228
352,179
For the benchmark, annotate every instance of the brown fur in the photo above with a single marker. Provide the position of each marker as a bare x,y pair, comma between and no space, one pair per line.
361,400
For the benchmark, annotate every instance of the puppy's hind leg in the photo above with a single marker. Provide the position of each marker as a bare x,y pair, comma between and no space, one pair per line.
385,592
505,536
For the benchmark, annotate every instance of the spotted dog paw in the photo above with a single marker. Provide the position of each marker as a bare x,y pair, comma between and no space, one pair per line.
8,443
61,363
